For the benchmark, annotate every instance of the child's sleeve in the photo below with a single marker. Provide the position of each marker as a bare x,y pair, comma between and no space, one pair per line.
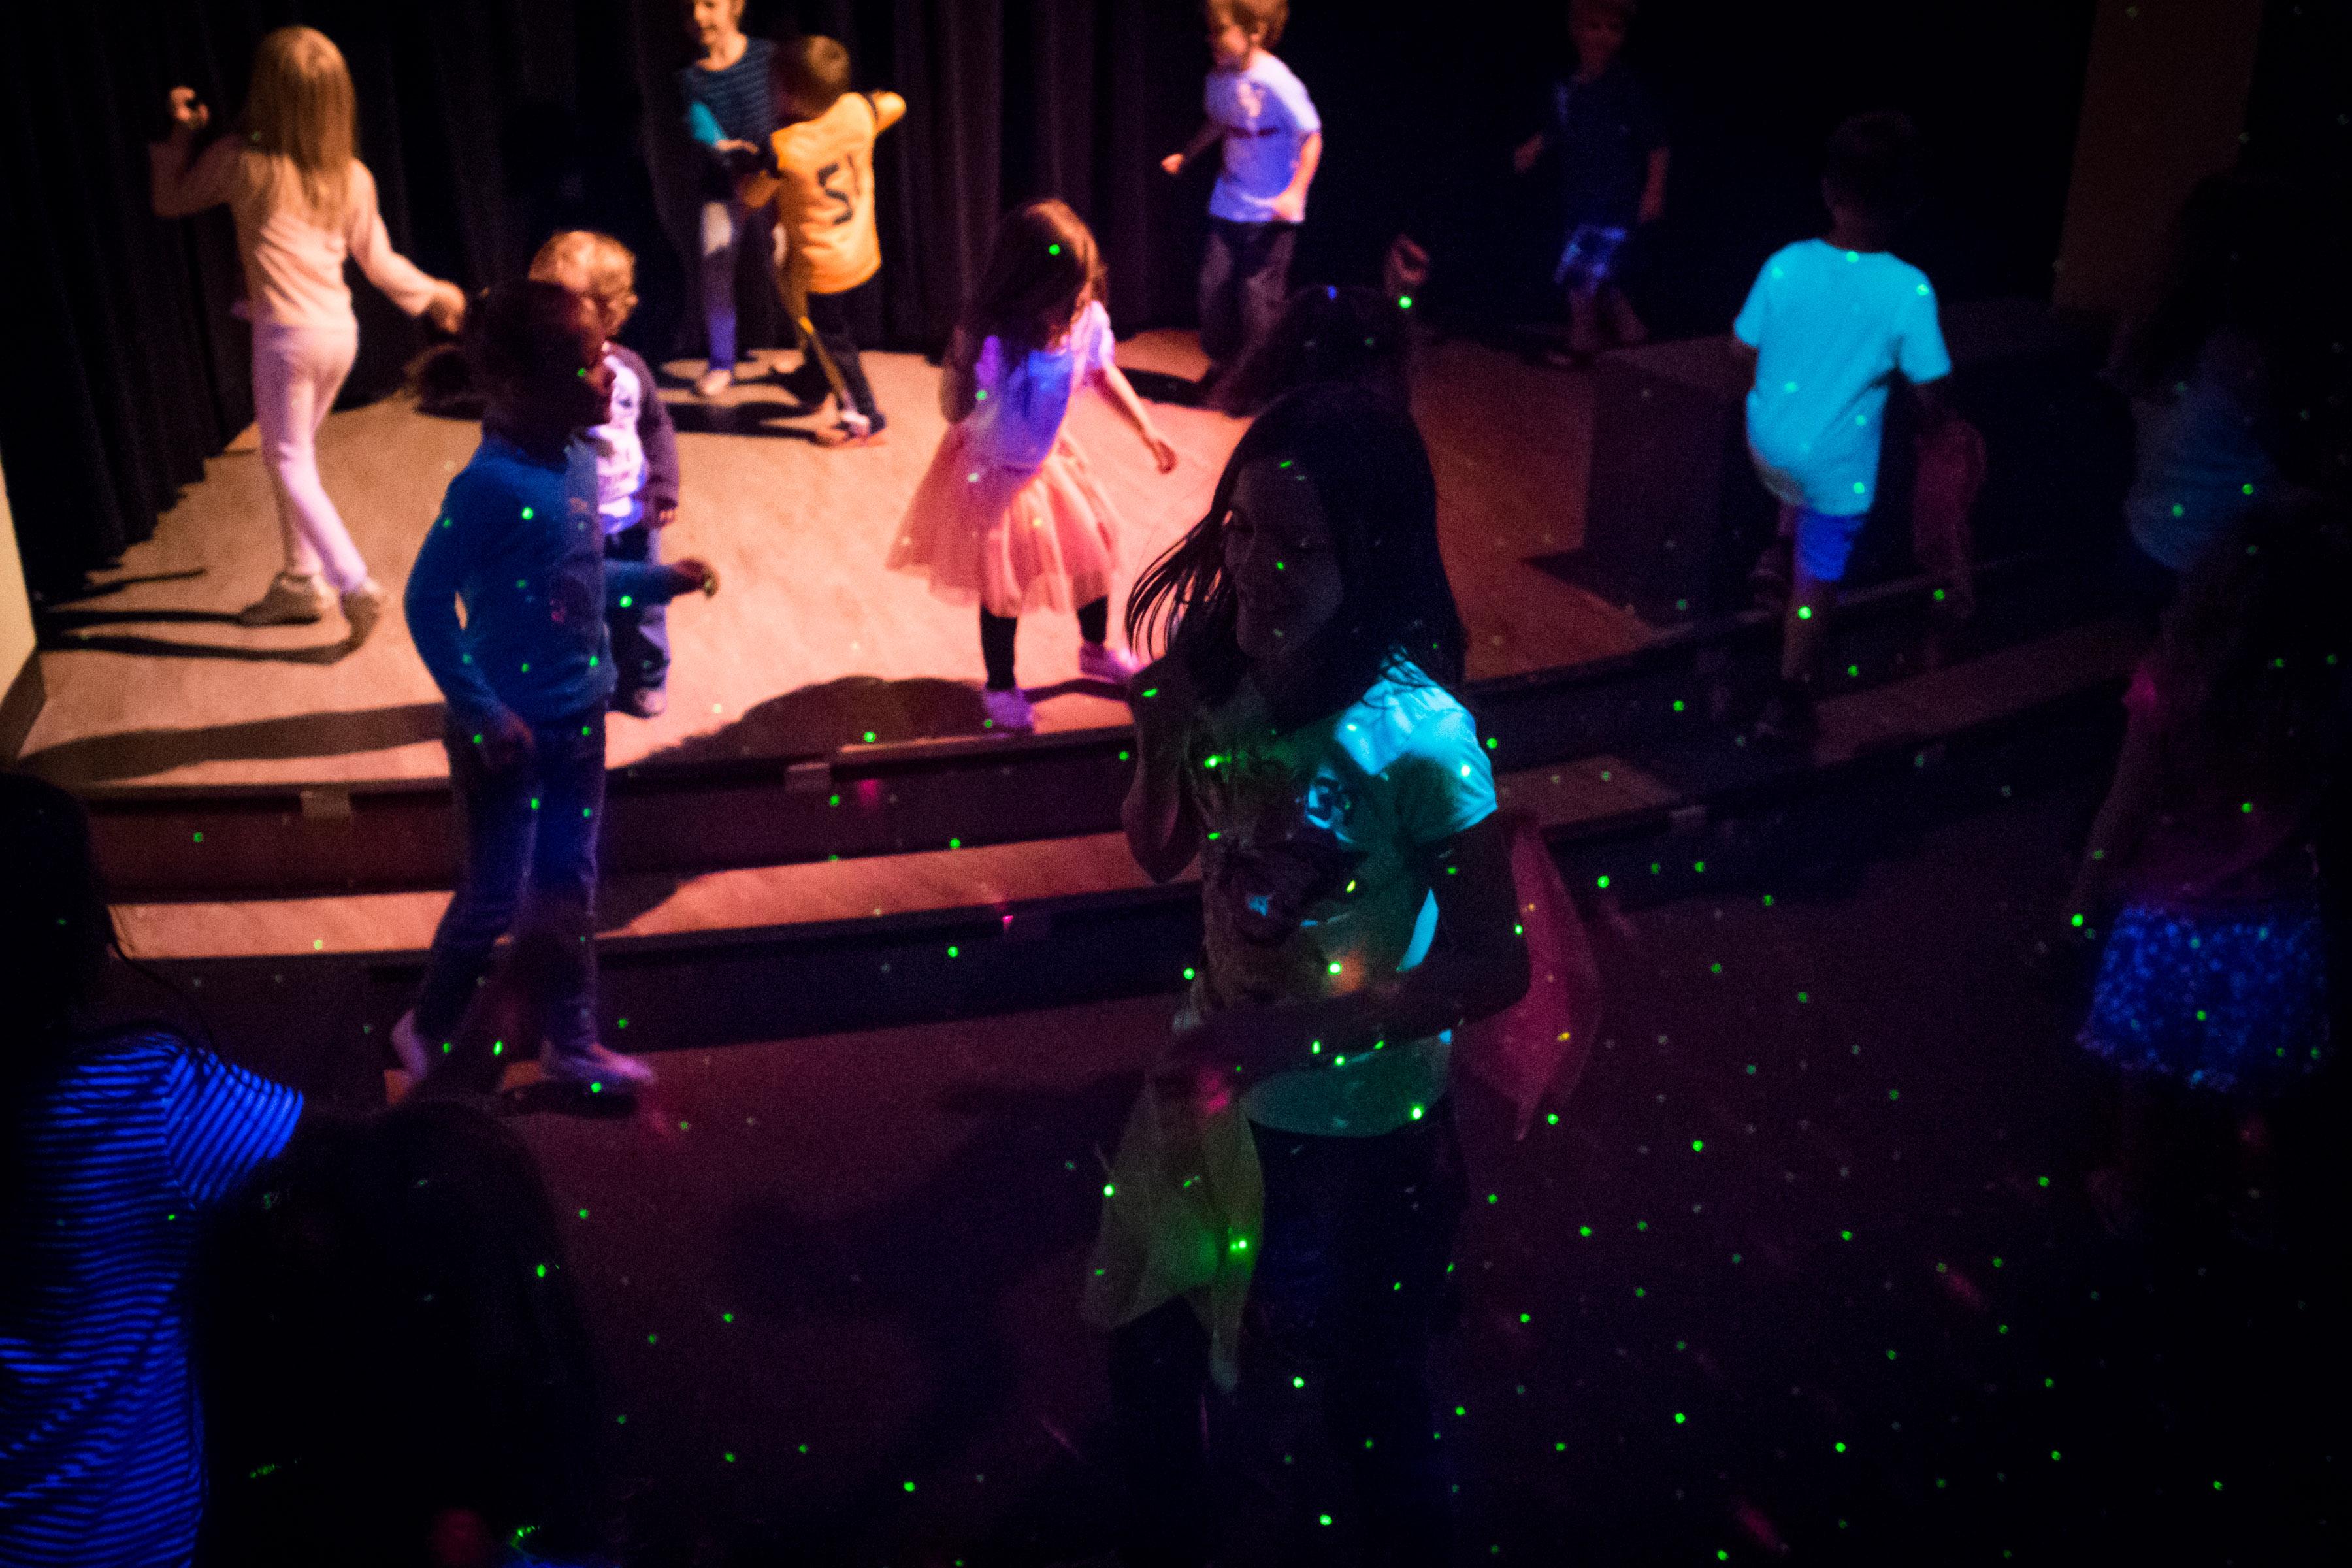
430,604
1101,345
657,433
1919,351
703,125
185,182
1754,316
1291,94
221,1124
1445,785
402,281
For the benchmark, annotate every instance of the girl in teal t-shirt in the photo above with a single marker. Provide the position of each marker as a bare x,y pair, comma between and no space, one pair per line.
1297,735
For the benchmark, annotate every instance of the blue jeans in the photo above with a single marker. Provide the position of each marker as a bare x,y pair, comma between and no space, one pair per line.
725,223
1349,1286
640,632
530,831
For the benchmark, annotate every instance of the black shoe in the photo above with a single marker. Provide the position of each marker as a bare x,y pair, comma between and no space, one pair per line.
1788,719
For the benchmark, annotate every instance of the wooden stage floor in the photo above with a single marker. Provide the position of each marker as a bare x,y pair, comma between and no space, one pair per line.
811,644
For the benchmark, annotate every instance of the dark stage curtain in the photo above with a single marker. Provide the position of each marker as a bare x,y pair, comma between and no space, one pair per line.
489,124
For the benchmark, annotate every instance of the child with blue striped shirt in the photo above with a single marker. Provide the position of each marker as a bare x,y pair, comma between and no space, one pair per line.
730,112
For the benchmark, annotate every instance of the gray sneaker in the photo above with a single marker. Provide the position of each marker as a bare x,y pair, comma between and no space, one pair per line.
363,607
291,602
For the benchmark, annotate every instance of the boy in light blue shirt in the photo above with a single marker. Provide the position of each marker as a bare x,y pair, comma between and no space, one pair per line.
1830,323
1272,139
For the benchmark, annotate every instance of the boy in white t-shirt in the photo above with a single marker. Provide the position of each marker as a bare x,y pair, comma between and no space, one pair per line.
1272,139
1831,323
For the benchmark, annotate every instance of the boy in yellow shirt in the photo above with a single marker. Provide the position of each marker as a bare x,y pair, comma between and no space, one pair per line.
821,179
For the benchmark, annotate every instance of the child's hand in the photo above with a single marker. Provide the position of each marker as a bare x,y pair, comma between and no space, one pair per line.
1524,155
663,516
733,145
1404,268
1288,207
187,111
1173,163
1163,454
506,740
446,309
698,571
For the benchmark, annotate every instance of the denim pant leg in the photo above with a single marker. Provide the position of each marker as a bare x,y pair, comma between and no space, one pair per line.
640,629
563,868
496,818
1265,286
1221,320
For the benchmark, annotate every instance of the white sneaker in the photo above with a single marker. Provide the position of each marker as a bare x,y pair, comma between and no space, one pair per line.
714,381
597,1069
291,602
408,1048
1098,661
1008,709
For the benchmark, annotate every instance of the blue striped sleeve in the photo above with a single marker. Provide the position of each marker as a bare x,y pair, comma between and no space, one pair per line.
221,1124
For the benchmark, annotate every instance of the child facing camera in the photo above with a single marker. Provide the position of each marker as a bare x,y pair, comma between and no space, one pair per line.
637,461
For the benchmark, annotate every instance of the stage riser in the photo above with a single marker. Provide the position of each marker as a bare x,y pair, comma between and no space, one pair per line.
320,1023
160,843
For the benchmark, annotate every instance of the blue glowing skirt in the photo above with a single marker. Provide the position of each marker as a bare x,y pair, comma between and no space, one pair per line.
2234,1002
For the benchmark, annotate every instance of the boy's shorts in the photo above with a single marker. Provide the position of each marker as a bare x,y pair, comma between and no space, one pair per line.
1588,260
1824,542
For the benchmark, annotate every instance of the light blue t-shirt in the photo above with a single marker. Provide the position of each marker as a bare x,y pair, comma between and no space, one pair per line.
1266,117
1830,328
1309,878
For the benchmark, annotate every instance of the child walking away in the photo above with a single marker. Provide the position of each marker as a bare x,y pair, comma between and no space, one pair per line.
637,462
1009,514
821,178
302,204
1831,323
730,112
1610,144
527,674
2212,992
1273,141
1297,735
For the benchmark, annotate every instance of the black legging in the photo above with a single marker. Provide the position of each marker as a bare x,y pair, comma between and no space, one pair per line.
996,638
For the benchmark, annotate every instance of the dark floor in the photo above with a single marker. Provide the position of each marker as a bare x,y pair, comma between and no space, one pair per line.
1803,1270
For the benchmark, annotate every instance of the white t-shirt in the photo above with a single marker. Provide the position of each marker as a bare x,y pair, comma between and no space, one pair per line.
1266,118
1310,884
620,451
1018,413
1830,329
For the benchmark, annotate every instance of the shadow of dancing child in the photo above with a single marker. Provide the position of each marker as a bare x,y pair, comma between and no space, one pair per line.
528,674
637,462
1297,735
1009,514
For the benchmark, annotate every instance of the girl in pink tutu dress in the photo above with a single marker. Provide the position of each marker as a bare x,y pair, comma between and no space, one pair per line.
1009,516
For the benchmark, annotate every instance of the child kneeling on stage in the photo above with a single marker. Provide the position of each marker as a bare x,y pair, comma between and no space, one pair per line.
637,461
528,674
1009,513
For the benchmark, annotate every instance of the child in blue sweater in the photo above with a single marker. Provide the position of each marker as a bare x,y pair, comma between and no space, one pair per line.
529,671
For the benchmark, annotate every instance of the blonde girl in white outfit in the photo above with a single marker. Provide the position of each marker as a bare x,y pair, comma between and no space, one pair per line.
302,204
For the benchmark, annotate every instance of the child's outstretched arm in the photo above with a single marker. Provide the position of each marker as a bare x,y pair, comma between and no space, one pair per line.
1202,140
185,181
1653,187
1122,393
628,583
2123,817
1162,832
1291,205
1524,155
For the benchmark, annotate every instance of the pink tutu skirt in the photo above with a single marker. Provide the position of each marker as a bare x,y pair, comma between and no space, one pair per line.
1011,540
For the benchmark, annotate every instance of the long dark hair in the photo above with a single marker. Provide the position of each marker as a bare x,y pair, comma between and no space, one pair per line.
2253,663
1365,458
1042,263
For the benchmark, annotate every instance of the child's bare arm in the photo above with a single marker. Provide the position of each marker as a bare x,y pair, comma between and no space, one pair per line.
959,388
1122,393
2122,819
1202,140
1653,187
1291,205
